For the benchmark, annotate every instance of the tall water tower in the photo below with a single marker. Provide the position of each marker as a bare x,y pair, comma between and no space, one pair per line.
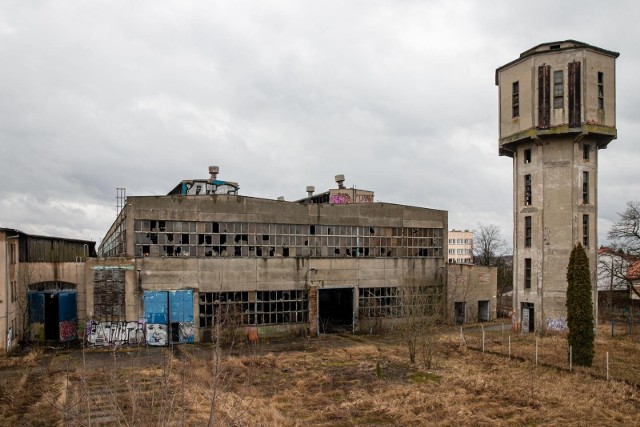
557,110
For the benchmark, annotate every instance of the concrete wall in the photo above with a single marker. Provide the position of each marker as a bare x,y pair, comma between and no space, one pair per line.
471,284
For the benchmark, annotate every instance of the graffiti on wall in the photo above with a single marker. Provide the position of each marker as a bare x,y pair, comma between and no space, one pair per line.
68,330
157,334
340,199
186,332
559,324
346,198
114,333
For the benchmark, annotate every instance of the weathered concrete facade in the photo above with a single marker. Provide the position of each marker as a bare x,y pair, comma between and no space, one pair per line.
471,291
41,287
557,109
270,265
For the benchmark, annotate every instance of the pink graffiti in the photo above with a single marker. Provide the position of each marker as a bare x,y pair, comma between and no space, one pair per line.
364,198
68,330
340,199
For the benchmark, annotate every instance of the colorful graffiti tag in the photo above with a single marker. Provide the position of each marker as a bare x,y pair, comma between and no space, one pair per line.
556,324
114,333
68,330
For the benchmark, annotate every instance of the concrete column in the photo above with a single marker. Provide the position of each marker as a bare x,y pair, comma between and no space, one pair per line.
313,310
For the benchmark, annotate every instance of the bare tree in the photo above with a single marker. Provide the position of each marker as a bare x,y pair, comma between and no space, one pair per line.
626,232
612,274
505,284
488,244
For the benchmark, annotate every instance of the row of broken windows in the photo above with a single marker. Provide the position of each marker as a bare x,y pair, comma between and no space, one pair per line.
207,239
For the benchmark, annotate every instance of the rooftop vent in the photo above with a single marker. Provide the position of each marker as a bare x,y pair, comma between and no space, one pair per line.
340,181
213,171
310,190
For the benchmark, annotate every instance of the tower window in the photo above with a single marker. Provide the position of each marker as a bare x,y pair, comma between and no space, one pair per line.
527,273
558,89
586,148
527,231
600,90
527,155
585,230
585,188
515,99
527,190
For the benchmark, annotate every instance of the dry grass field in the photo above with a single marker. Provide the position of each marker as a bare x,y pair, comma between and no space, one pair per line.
332,381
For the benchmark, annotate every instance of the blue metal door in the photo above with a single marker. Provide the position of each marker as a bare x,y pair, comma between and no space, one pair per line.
36,316
156,315
181,316
67,316
169,317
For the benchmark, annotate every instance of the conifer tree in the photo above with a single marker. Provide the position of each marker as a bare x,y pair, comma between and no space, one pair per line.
580,307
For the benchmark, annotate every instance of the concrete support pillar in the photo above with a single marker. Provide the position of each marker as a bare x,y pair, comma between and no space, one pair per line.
313,310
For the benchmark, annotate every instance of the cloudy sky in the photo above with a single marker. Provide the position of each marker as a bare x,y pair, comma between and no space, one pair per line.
398,96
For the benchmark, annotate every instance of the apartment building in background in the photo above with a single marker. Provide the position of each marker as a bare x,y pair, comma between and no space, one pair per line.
460,247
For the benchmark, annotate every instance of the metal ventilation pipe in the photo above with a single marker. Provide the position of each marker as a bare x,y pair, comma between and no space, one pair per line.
340,181
213,171
310,190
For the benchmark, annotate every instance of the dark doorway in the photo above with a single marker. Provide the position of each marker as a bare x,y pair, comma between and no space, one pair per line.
52,312
528,318
335,310
51,324
484,314
460,309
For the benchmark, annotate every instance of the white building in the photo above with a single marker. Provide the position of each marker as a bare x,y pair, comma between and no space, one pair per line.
460,247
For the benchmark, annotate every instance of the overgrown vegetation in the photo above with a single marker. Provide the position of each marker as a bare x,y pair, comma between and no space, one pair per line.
580,308
332,381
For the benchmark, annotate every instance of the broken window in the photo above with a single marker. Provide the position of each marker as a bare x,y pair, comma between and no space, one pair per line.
558,89
515,99
600,90
527,273
585,230
544,93
527,231
278,307
527,155
109,294
585,187
586,151
574,95
527,190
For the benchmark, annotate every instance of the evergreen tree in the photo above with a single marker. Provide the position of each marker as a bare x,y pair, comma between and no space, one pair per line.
580,307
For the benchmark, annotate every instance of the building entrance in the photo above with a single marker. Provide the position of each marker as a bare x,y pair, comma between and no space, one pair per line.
53,315
528,318
335,310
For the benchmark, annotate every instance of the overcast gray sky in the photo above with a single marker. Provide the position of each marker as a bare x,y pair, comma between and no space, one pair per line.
398,96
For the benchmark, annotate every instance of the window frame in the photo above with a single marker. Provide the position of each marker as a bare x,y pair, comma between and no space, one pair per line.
527,231
585,187
528,196
527,273
600,90
585,230
515,99
558,90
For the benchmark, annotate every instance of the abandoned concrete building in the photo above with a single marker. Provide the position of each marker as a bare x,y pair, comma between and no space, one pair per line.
171,264
171,267
41,287
557,110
